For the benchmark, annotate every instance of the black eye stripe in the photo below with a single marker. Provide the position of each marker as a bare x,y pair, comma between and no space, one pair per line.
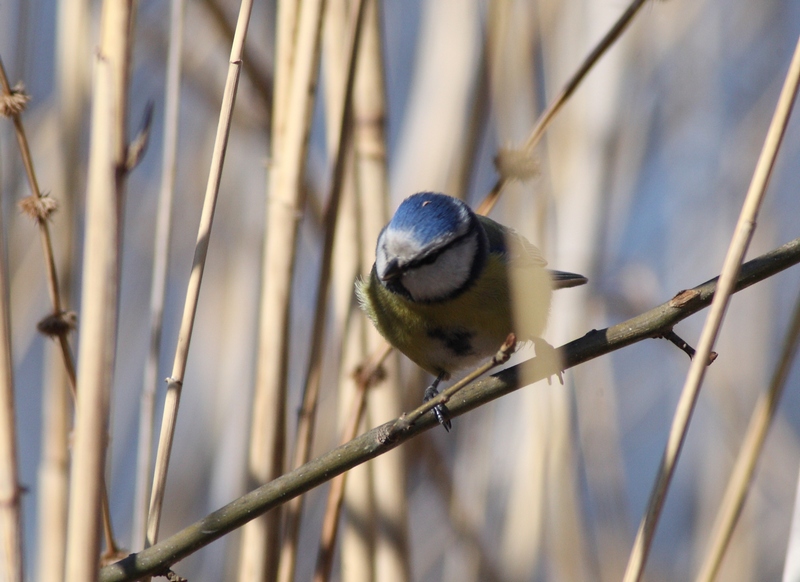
431,257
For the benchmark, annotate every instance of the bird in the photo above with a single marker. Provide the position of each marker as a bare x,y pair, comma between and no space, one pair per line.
441,291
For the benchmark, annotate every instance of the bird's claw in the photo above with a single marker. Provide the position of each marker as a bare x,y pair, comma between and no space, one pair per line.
440,410
549,356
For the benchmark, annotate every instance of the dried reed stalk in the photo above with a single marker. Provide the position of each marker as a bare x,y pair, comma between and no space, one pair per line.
60,322
175,382
108,161
159,274
53,473
293,106
40,209
11,558
730,270
307,420
742,475
260,545
72,79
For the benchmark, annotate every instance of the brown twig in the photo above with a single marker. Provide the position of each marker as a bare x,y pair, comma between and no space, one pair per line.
39,208
682,345
553,108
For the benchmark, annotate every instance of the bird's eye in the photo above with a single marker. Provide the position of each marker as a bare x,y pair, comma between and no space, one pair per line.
424,204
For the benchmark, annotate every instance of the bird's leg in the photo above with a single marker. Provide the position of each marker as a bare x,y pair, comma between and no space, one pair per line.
549,357
440,410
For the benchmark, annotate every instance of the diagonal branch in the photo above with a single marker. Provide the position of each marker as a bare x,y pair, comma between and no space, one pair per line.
386,437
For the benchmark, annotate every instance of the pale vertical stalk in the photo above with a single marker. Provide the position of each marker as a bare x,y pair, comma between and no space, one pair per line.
72,67
445,68
107,168
11,561
730,269
258,557
742,475
159,274
307,420
285,204
175,382
53,474
391,559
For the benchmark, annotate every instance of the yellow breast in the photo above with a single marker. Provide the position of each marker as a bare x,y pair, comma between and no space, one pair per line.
446,336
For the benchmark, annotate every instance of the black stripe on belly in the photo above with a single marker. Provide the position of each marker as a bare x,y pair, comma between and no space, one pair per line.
458,341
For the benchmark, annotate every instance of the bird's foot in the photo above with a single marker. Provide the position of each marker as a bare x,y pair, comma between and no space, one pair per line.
440,410
550,359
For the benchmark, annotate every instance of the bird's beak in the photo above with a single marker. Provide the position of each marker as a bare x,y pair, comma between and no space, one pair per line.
392,271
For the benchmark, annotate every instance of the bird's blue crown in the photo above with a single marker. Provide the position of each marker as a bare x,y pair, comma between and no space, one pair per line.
427,216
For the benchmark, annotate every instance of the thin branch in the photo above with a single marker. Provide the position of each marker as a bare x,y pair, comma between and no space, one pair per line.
682,345
384,438
261,80
554,107
175,382
730,268
159,275
40,208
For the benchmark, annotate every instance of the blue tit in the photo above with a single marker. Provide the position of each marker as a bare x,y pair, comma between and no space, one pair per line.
441,289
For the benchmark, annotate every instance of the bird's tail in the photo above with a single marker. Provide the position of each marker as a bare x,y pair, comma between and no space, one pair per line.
564,280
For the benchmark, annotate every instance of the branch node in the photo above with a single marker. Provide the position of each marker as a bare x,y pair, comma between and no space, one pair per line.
516,164
683,298
38,207
674,338
58,324
138,146
14,103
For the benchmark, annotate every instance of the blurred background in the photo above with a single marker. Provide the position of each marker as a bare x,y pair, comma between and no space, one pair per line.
640,182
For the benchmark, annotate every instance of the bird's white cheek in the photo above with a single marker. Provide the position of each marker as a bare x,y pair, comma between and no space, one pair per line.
380,261
446,275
